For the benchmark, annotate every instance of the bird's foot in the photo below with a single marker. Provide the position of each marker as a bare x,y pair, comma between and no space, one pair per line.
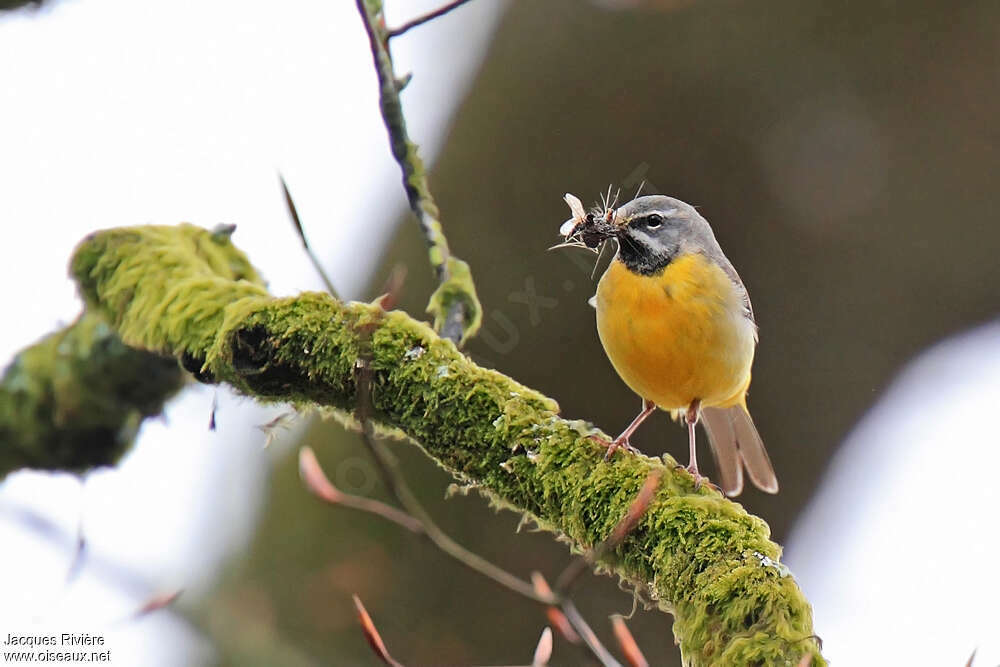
621,442
699,479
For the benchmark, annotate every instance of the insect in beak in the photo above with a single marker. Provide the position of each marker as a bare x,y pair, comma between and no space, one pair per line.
586,230
580,217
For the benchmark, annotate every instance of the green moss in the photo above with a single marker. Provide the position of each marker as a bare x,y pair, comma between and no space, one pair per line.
701,556
458,288
75,399
199,278
454,305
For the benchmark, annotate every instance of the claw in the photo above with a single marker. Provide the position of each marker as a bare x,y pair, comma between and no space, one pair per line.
699,478
614,445
622,442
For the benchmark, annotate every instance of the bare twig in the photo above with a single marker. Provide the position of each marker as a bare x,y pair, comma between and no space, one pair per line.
270,429
556,617
626,642
372,635
321,487
455,306
571,625
587,634
215,408
420,20
294,215
543,651
393,288
79,556
157,602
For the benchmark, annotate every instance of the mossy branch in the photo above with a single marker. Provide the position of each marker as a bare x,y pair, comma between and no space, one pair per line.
454,305
74,400
183,292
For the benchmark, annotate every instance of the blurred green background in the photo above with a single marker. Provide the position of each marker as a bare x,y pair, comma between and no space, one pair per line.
845,154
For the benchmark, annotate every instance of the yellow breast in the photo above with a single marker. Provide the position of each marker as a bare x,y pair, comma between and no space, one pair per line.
677,336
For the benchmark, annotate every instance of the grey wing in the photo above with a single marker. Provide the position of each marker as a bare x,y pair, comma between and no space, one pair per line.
727,266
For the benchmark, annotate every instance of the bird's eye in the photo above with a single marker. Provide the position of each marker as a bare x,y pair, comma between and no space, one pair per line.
654,221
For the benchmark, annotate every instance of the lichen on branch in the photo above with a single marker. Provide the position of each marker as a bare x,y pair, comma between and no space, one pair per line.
183,292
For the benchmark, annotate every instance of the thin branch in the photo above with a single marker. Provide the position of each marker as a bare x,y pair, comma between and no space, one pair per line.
393,288
468,558
626,642
157,602
543,650
588,635
317,482
294,215
420,20
272,427
215,408
571,624
556,616
403,149
540,658
455,306
372,635
79,556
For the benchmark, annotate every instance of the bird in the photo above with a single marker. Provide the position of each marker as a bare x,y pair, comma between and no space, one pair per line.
676,322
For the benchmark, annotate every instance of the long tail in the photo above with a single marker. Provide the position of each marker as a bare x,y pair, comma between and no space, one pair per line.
737,445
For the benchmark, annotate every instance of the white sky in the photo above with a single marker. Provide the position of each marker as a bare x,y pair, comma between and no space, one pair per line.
118,113
899,552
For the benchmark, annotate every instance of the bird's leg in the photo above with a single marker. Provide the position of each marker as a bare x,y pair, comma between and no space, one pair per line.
691,419
623,440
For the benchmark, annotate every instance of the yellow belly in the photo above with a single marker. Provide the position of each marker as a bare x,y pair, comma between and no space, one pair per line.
677,336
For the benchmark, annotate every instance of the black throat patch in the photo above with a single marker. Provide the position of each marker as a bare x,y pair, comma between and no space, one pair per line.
639,259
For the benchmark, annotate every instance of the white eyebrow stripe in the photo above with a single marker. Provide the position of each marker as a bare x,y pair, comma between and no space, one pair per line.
665,212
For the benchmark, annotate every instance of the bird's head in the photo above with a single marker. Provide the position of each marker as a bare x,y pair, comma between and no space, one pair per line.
650,231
